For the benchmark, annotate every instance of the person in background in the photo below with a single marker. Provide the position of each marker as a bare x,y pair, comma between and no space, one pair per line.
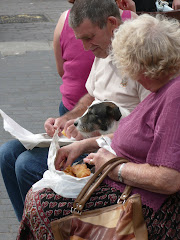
20,167
149,5
71,58
148,137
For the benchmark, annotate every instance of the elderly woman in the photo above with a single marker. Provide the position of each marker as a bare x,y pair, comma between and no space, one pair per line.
146,49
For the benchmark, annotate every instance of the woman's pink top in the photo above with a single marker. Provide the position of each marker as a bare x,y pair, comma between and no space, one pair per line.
77,66
151,134
126,14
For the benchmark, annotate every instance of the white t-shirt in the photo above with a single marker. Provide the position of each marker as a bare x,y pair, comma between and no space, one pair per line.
105,83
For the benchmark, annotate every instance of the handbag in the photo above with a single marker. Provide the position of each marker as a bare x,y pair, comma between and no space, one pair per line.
122,221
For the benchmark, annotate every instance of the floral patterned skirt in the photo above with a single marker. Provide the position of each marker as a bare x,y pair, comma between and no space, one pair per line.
45,206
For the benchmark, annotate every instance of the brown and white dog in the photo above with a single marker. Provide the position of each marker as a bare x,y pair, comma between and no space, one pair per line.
102,117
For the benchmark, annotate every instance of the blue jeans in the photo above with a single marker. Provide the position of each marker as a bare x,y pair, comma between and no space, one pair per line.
20,169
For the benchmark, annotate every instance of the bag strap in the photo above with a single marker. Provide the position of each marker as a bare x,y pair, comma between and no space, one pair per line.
96,180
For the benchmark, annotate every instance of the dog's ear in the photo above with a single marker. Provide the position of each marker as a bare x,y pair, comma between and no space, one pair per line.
114,112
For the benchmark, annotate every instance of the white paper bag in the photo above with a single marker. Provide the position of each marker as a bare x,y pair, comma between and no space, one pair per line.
105,142
61,183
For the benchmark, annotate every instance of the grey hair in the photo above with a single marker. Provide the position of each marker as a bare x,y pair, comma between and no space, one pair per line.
151,46
97,11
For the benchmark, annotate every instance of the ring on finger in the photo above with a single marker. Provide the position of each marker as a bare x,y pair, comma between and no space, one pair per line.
91,162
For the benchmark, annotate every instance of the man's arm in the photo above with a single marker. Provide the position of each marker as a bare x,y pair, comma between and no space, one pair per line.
80,107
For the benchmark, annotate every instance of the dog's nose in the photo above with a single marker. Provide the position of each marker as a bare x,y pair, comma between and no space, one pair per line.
75,124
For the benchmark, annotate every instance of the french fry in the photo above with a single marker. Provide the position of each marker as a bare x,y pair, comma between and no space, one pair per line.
63,132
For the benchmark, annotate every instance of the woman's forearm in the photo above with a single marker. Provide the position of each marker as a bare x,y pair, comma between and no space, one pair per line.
89,145
152,178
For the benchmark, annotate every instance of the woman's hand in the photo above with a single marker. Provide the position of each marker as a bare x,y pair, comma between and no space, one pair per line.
67,154
99,158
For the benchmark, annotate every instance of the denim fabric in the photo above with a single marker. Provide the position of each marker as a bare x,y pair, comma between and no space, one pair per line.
62,109
20,169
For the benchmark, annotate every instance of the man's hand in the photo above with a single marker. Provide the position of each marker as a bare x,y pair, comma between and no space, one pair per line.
71,130
51,124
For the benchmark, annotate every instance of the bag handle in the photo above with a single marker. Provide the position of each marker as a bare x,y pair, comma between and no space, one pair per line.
96,180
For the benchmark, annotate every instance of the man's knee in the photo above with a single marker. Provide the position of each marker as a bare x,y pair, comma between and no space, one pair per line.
9,152
31,165
23,165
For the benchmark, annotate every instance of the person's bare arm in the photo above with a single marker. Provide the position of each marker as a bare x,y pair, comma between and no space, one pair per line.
152,178
56,44
80,107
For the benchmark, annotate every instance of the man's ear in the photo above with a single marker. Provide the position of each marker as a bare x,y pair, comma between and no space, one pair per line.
113,23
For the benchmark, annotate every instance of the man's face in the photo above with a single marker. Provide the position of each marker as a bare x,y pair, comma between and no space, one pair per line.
95,39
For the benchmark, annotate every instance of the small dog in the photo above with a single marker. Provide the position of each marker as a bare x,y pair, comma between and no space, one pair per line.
100,118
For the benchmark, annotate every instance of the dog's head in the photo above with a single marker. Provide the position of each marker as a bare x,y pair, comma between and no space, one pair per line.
102,117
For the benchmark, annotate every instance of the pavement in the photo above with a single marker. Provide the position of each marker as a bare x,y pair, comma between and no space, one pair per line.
29,83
